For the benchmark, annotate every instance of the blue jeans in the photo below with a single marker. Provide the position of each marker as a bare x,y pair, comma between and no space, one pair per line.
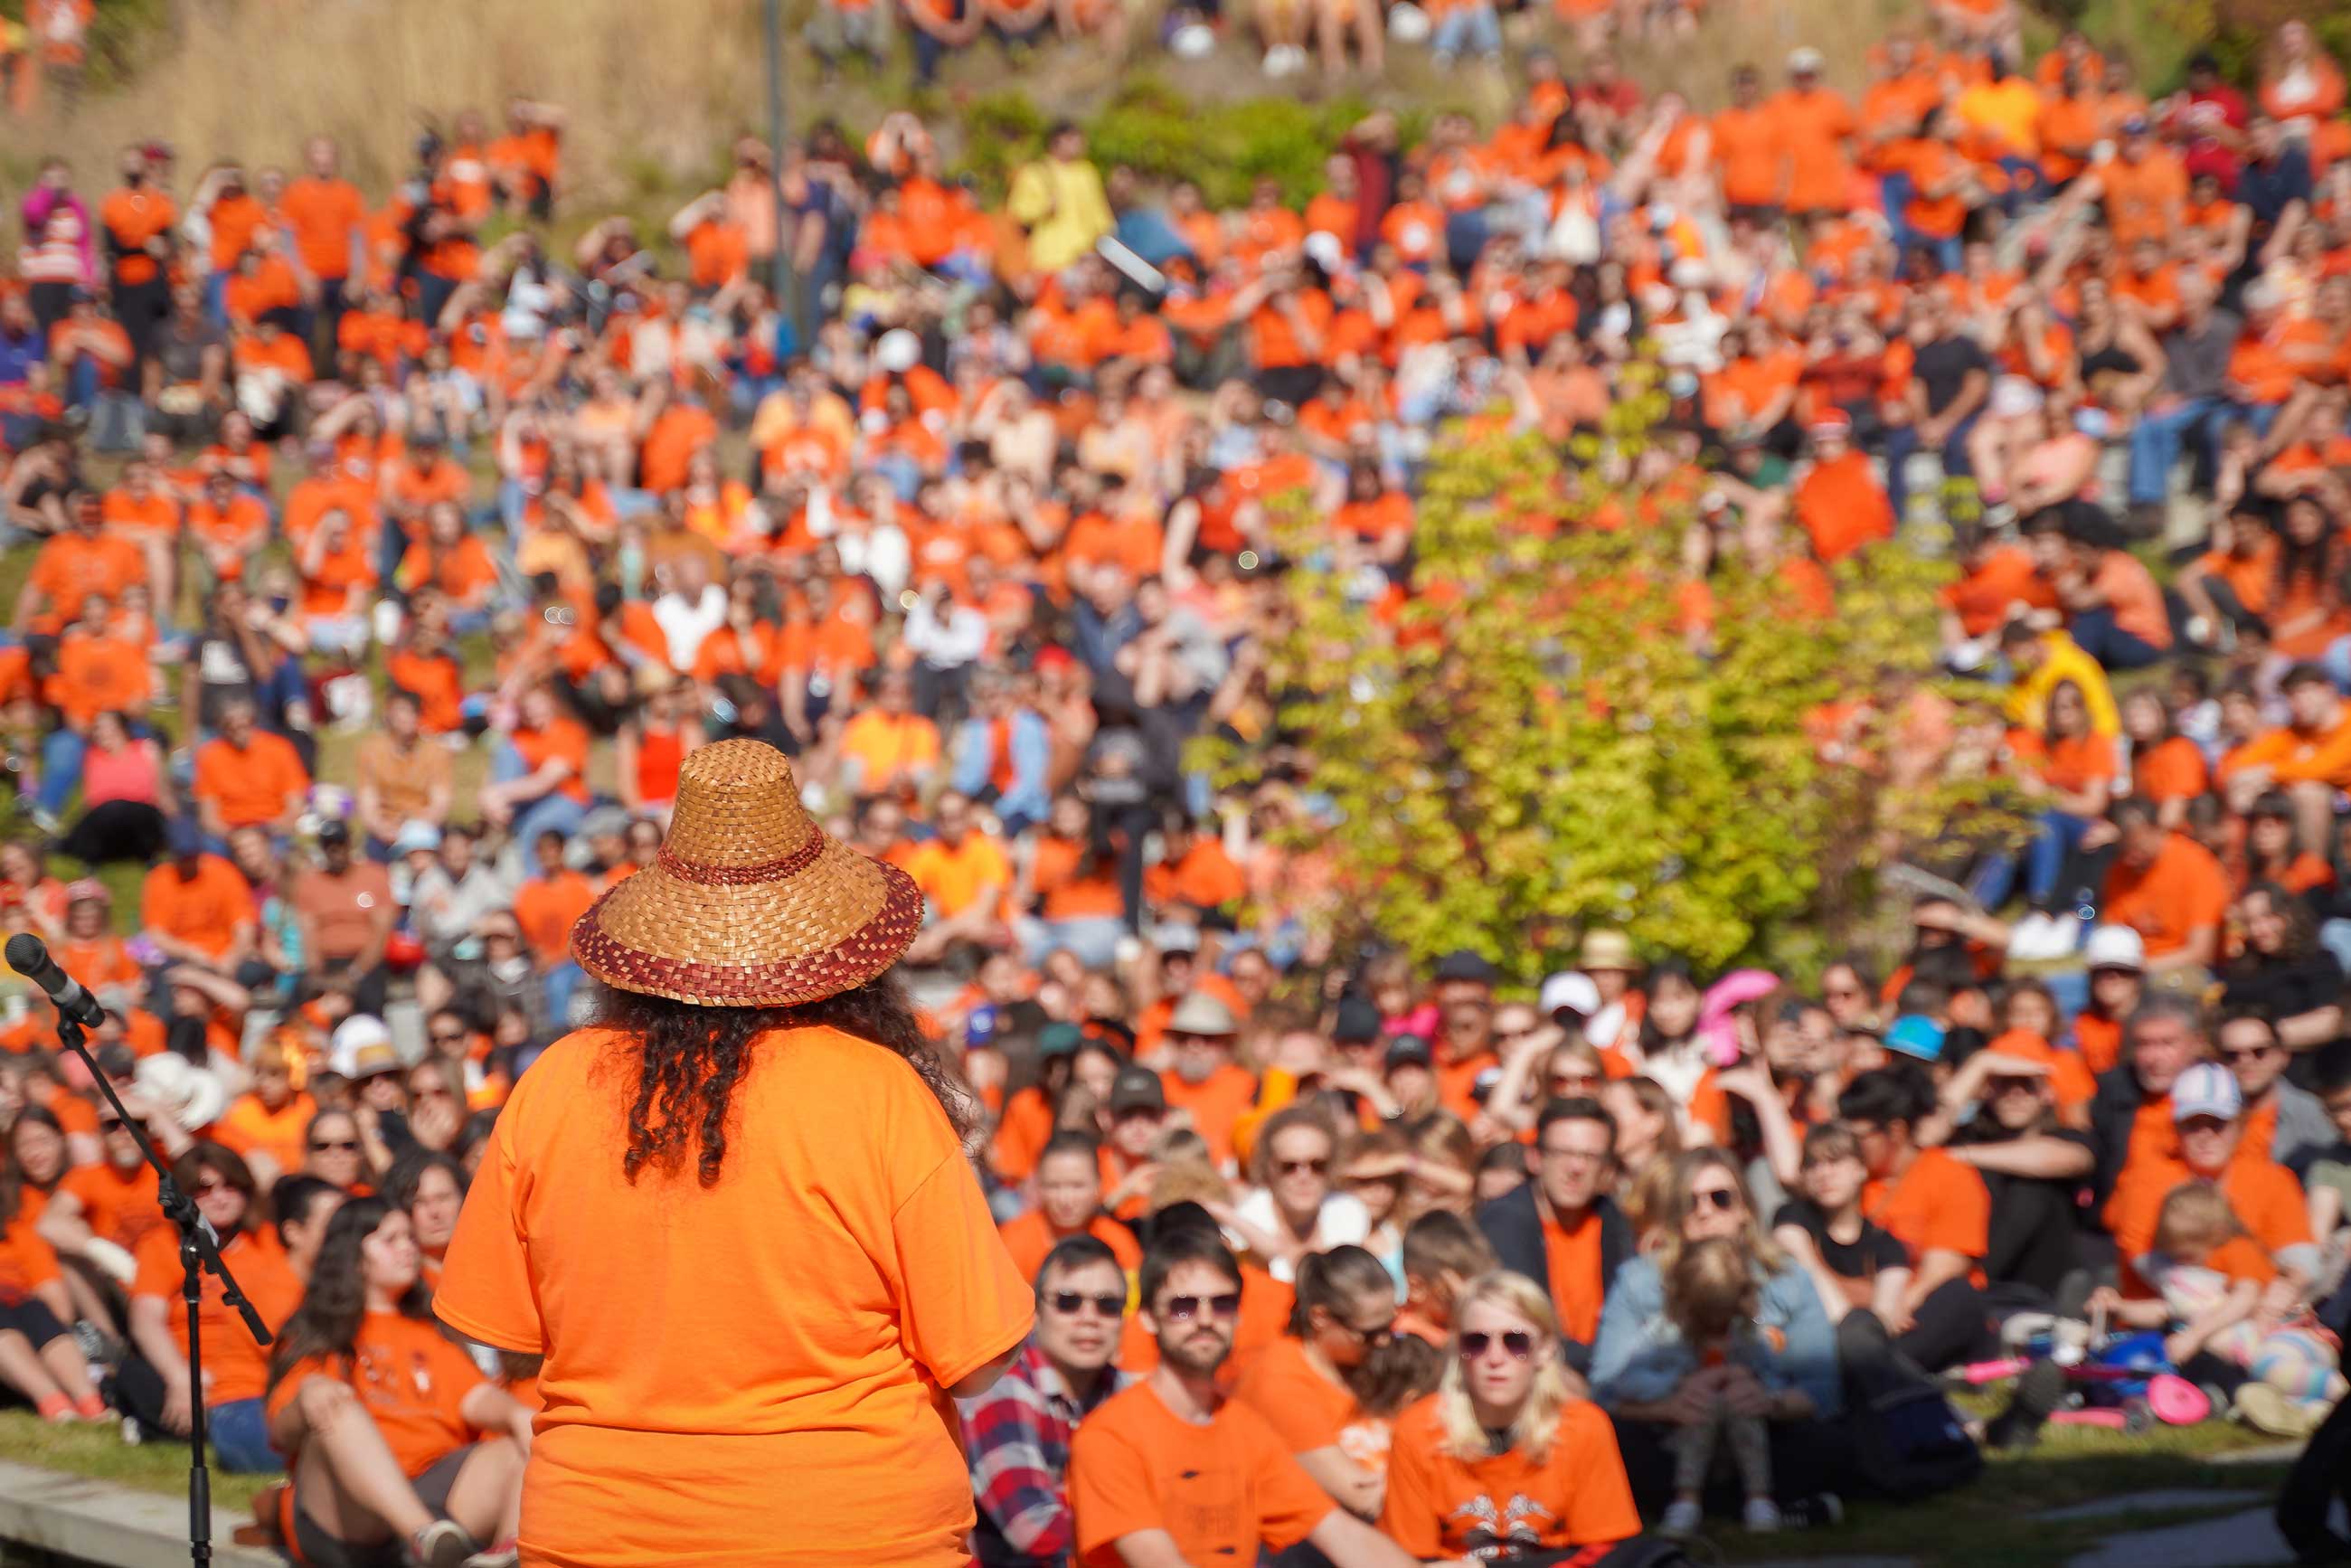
2155,445
1472,30
1092,939
2045,857
61,753
240,1434
2110,644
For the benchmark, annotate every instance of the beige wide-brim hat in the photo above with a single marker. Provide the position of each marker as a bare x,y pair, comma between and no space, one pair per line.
749,903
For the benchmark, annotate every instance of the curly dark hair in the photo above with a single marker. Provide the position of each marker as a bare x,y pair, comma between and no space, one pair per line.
327,1323
692,1056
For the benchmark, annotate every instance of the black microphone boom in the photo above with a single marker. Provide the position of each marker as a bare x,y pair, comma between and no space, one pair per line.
29,957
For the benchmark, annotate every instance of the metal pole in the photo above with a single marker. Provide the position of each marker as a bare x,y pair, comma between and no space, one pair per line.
779,268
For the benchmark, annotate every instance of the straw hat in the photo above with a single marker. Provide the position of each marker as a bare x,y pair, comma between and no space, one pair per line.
749,903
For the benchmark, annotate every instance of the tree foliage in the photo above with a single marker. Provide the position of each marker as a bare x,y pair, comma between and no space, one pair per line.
1530,744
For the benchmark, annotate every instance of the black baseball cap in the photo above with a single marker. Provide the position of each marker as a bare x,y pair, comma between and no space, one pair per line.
1410,1050
1461,964
1136,1089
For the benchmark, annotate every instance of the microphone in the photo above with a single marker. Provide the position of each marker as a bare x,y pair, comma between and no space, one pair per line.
29,957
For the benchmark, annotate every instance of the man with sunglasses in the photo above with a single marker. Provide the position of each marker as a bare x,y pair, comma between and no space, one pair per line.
1017,1435
1168,1474
2281,1120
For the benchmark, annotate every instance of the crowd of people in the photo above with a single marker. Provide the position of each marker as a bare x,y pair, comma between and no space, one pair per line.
380,574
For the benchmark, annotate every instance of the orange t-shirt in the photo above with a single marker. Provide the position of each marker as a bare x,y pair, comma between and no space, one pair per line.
889,749
2099,1040
1983,598
1215,1104
1307,1411
252,1128
250,786
564,738
1440,1506
413,1379
1572,1258
27,1260
1222,1489
2173,770
322,214
2182,890
134,217
234,1367
1029,1239
850,1279
546,908
1938,1204
2263,1194
202,910
954,878
120,1206
1841,506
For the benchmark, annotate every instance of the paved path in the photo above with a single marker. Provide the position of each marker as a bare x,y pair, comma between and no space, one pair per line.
100,1523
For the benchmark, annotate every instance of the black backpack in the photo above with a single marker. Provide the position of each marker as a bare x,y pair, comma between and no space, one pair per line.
1910,1443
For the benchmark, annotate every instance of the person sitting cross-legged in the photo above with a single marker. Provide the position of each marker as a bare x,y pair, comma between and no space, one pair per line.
393,1437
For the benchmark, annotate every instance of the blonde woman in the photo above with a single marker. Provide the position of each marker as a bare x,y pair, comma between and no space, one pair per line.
1504,1460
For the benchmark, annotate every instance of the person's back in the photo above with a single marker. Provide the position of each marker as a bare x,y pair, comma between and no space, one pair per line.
783,1307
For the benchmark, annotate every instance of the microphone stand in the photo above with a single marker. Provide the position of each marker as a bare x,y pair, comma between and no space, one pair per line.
198,1253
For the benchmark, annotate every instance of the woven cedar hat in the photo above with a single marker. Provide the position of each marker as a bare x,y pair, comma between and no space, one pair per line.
749,903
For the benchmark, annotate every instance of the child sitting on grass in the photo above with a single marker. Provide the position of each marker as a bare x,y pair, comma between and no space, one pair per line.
2211,1279
1712,1298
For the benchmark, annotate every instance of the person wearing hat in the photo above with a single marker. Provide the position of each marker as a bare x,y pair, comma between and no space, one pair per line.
2116,957
734,1218
196,907
1202,1079
1465,1034
1607,958
344,911
1132,1114
1939,1209
2208,1118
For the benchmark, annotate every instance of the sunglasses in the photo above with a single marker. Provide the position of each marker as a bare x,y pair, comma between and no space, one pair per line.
1520,1343
1184,1309
342,1147
1561,1081
1069,1302
2247,1053
447,1035
1719,1197
1293,1168
1378,1334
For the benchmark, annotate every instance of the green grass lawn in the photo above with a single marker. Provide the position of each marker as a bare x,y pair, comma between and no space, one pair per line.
1990,1525
98,1452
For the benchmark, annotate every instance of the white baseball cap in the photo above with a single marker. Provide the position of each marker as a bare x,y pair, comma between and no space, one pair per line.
1574,991
2114,947
2206,1089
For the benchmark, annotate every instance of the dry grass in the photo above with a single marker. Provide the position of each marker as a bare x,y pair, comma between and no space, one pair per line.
657,93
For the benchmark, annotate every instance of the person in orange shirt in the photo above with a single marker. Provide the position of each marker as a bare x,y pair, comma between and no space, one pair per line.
2144,186
139,221
2114,607
152,1384
266,1124
196,907
1839,503
964,874
1069,1204
1561,1229
1559,1487
47,1368
1814,123
392,1434
1939,1209
889,747
1311,1386
538,772
2168,887
1749,158
1171,1467
550,904
87,558
328,219
2308,758
747,1000
246,777
1202,1078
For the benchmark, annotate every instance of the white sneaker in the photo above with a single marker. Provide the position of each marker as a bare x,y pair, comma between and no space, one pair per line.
442,1543
2028,936
1760,1516
1682,1519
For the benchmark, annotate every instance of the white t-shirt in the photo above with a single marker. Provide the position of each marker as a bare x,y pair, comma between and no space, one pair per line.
1343,1222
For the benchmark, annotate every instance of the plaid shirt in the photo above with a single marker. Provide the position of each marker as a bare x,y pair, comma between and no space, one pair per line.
1017,1436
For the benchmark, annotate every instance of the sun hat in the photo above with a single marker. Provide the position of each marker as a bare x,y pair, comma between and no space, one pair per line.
748,903
1606,951
361,1048
1202,1014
